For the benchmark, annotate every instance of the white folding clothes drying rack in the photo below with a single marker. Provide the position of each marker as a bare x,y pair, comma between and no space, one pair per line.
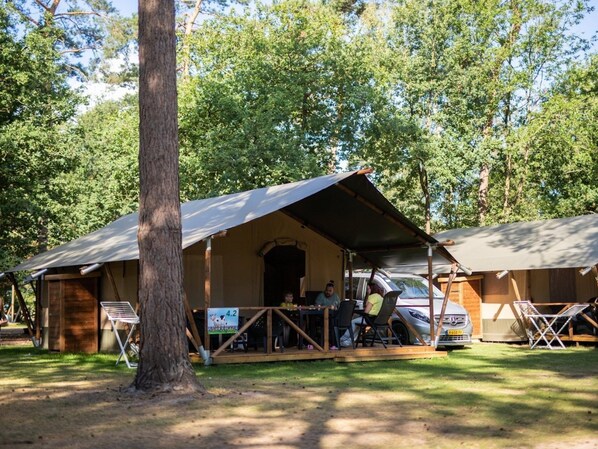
543,329
122,311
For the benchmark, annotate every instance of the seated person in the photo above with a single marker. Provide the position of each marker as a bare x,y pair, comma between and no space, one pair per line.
288,301
328,298
372,308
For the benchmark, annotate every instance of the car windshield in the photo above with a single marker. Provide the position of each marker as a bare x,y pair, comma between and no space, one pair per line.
414,288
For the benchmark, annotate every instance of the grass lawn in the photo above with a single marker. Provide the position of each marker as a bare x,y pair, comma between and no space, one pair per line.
486,396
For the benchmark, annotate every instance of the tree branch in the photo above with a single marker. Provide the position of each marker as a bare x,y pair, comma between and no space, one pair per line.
76,50
78,13
192,17
42,4
25,16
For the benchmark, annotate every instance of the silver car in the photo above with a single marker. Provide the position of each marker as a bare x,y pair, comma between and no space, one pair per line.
457,327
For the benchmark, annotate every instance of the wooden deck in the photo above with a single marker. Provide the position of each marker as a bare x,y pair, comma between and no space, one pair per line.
345,355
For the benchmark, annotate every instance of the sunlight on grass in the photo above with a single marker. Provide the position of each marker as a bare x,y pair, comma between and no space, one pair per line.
489,396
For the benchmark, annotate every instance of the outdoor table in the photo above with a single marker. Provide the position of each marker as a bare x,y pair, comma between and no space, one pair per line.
308,318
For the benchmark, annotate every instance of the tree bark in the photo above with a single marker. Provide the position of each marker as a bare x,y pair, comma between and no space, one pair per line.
423,182
484,177
164,363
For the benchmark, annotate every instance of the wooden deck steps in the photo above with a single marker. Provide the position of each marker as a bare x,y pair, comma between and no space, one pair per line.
346,355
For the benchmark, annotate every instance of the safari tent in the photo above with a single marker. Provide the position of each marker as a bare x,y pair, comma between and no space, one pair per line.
550,261
242,249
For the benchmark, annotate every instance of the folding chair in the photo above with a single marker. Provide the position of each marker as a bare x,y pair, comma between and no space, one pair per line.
342,320
123,312
381,324
541,328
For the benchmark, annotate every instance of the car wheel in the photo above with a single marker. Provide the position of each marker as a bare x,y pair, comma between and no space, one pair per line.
401,332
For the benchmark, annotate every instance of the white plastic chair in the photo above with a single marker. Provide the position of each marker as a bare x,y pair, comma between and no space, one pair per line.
541,327
123,312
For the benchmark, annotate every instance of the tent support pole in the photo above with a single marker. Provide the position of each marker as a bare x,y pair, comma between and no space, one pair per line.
447,294
22,304
350,269
38,312
431,293
112,282
192,333
207,288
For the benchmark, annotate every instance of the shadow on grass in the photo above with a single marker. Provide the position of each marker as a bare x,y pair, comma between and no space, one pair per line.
487,396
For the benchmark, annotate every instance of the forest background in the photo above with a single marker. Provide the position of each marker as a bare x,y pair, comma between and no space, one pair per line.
471,113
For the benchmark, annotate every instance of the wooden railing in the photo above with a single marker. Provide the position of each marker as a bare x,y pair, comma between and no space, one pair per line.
279,311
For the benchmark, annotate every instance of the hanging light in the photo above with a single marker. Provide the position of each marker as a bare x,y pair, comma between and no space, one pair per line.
502,274
34,276
585,270
88,269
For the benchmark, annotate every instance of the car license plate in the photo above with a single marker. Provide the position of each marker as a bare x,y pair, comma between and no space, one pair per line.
455,332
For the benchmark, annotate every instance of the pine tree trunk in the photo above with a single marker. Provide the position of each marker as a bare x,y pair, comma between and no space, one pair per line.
164,363
483,193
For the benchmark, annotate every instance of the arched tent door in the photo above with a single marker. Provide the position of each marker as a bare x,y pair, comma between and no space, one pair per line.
284,267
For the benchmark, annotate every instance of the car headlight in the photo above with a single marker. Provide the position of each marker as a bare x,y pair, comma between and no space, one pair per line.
419,316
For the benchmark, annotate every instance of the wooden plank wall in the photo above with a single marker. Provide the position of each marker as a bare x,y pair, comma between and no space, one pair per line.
467,291
54,296
80,312
73,315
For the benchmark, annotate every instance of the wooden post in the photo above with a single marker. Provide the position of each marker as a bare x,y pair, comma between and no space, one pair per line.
207,288
515,287
12,303
112,282
447,293
431,293
326,329
196,340
22,304
38,312
269,331
350,267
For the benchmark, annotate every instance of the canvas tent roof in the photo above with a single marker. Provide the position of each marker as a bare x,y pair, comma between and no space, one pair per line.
344,207
558,243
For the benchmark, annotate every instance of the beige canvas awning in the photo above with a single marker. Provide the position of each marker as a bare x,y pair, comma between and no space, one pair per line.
346,208
558,243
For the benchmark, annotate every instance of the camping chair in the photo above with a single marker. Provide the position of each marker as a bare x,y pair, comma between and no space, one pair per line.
540,327
381,322
123,312
342,320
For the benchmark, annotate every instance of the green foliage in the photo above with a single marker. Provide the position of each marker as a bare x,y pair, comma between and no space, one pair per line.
276,96
437,97
468,75
563,139
34,102
76,27
103,182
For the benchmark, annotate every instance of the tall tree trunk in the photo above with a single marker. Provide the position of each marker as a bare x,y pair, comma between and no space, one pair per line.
494,104
507,189
423,182
164,363
483,193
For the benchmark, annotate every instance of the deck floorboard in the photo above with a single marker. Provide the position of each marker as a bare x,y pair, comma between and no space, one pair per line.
345,355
